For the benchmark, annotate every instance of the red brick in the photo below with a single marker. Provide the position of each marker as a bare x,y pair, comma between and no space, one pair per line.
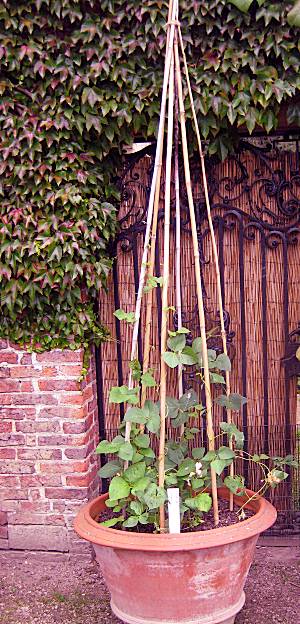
57,356
65,385
36,518
9,385
65,493
44,454
78,427
26,358
81,481
77,453
3,518
12,439
8,453
33,399
16,467
71,370
70,398
38,480
8,481
40,506
4,544
17,414
62,412
5,427
9,357
38,427
24,371
57,440
10,498
4,372
65,467
3,532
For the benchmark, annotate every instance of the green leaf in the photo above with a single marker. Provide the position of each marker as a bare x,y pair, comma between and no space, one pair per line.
142,440
224,452
218,465
153,417
148,380
177,343
242,5
293,16
223,362
233,432
118,488
136,415
232,402
112,521
126,451
109,470
154,496
186,467
235,484
123,394
129,317
136,507
198,453
140,485
109,447
134,473
201,502
131,522
171,359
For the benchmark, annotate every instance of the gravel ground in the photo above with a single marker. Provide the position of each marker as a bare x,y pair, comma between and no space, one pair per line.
39,592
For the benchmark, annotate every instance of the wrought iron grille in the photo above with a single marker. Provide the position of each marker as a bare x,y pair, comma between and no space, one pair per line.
255,201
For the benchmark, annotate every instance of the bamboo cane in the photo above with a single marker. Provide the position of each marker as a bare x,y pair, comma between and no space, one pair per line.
165,288
210,430
157,168
213,238
177,234
146,351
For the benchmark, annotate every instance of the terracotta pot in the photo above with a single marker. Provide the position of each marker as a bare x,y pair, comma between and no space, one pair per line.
187,578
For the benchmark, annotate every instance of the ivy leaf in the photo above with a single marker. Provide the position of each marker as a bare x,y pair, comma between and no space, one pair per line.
177,343
218,465
129,317
154,496
242,5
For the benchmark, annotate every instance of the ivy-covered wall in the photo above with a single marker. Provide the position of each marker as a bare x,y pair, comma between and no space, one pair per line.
81,78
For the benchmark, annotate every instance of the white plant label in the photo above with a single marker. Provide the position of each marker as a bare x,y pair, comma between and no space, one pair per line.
174,510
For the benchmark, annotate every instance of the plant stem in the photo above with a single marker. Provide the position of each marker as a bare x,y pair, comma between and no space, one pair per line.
213,239
165,287
210,430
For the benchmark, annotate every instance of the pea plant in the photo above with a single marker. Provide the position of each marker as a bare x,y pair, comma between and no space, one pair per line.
134,494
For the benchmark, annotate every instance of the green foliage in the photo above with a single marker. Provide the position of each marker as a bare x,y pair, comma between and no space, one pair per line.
80,80
134,486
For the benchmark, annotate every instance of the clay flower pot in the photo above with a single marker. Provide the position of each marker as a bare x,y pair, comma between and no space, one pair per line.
188,578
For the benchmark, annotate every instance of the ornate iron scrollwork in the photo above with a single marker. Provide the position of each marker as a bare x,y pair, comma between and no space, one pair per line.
290,361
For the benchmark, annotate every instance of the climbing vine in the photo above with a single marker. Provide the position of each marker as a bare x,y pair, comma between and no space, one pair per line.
79,80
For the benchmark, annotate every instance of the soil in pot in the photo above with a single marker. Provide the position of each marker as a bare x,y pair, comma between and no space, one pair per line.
226,516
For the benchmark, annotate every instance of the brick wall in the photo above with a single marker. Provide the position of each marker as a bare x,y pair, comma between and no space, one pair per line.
48,433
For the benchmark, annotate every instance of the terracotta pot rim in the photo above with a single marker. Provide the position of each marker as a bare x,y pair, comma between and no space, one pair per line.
86,527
